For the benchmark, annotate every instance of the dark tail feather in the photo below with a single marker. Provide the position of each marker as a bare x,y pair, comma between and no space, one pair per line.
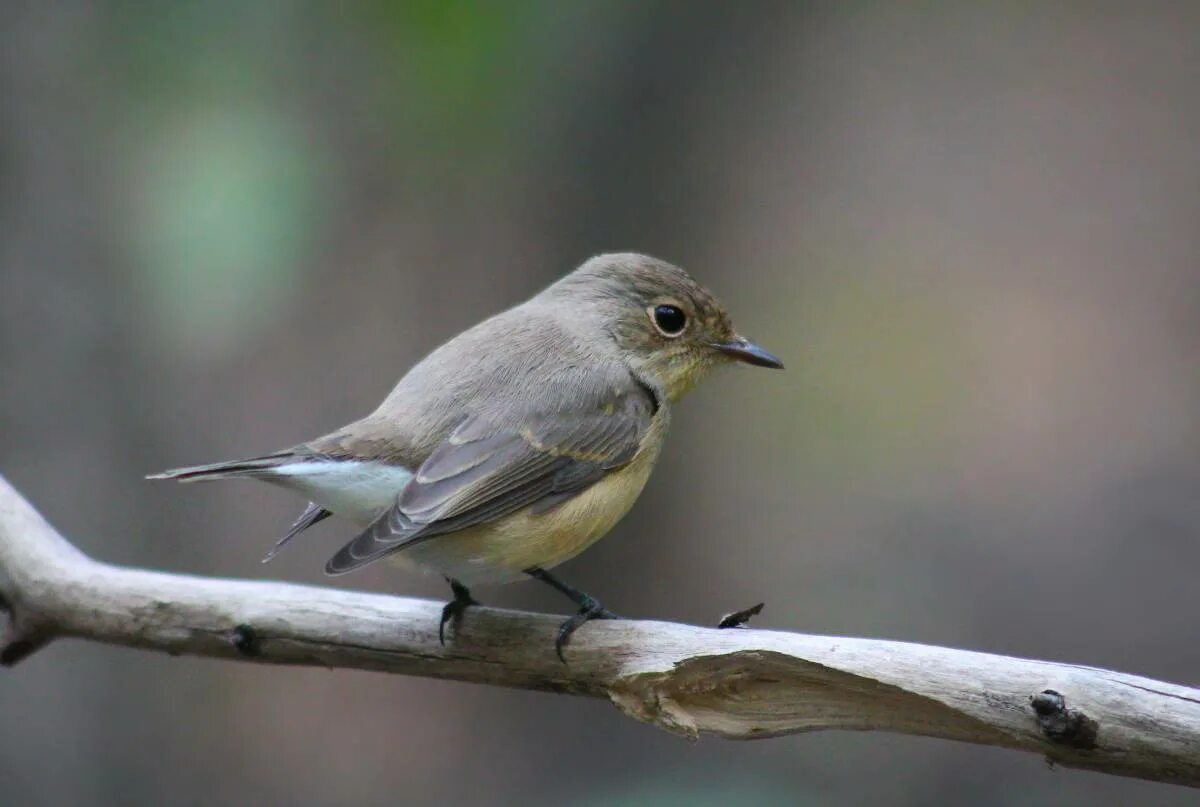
313,514
224,470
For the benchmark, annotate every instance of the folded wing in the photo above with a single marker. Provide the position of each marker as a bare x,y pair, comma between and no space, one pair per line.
486,470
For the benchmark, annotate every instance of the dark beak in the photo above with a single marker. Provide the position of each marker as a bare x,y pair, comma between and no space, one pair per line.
746,351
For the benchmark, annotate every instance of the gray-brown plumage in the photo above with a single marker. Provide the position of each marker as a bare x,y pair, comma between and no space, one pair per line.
518,443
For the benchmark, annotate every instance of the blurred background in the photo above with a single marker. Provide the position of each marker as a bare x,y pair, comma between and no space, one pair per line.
970,230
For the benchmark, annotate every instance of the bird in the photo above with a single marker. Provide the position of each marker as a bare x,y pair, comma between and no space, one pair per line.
521,441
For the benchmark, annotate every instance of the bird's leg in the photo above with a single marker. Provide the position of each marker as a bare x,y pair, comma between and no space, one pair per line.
584,600
454,609
589,607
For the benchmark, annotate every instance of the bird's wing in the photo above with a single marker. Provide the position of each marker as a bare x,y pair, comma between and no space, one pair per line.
486,470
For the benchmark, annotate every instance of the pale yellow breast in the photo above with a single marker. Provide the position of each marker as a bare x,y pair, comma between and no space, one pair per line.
501,551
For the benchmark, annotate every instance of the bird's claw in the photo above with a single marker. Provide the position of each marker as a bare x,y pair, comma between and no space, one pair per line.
454,610
591,610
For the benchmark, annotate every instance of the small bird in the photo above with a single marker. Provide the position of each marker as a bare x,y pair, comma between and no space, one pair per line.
521,441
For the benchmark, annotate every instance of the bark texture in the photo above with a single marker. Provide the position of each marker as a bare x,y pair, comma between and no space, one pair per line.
689,680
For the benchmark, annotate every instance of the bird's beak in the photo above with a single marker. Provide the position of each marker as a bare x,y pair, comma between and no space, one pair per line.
744,350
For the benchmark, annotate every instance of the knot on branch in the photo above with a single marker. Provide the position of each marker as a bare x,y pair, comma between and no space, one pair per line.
1062,725
246,641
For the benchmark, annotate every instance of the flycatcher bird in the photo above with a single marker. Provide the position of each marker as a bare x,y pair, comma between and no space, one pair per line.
521,441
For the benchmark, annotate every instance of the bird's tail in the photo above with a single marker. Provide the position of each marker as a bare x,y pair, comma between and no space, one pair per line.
254,466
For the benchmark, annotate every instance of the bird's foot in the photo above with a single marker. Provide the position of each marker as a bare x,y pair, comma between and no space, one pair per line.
590,609
453,611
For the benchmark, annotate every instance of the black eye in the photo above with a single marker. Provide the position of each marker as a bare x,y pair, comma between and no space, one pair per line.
669,319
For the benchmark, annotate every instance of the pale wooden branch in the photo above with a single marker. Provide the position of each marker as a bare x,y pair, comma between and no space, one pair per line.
689,680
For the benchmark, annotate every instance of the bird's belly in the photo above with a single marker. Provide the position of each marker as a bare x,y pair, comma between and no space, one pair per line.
355,490
501,551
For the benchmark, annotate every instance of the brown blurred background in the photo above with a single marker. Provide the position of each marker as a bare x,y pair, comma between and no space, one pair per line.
970,229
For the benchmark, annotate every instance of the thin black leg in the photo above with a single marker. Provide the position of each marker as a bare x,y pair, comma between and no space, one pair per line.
589,608
454,609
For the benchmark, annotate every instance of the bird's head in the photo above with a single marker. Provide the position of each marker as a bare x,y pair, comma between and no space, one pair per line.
669,329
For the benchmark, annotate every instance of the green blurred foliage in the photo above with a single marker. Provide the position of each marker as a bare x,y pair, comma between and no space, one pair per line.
453,67
228,203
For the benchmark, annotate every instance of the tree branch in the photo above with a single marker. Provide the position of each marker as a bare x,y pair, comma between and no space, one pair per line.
688,680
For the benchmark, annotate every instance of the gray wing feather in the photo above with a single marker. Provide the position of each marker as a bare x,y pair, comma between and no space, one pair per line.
484,471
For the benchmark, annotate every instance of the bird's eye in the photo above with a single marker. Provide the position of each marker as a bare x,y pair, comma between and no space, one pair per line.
669,319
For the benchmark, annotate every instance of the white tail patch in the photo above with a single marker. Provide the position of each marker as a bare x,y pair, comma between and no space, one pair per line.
353,489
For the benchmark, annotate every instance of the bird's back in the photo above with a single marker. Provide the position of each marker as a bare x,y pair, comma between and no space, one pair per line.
524,360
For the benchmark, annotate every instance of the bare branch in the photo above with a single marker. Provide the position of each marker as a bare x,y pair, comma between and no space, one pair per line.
689,680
